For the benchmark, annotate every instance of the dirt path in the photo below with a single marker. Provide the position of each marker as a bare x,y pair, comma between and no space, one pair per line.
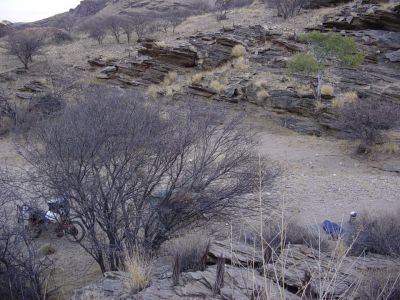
320,182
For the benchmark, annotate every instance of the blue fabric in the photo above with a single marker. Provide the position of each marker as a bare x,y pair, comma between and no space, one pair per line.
331,228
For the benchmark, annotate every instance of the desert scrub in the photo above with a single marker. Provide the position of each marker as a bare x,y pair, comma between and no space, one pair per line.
140,269
238,51
48,249
327,90
303,63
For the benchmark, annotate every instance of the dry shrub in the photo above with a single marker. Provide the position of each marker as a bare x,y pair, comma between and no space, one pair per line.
140,269
327,90
238,51
380,285
48,249
189,253
377,234
217,86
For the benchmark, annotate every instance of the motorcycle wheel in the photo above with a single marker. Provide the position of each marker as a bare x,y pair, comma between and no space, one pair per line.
75,232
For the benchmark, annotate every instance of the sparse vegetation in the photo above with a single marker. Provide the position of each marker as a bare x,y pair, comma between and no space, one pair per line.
325,48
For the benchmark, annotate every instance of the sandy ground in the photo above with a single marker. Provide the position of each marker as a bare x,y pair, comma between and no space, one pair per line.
320,181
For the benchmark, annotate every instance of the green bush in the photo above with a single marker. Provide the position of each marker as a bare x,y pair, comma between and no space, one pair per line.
303,63
333,44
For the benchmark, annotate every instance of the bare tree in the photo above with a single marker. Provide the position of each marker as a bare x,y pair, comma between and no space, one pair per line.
24,45
223,6
141,25
288,8
96,30
113,23
137,176
177,19
127,27
67,23
367,119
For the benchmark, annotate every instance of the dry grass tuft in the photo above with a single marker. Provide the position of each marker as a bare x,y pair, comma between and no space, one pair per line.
319,105
189,253
262,94
197,78
170,78
238,51
386,148
140,269
349,97
261,83
241,65
217,86
161,44
152,91
327,90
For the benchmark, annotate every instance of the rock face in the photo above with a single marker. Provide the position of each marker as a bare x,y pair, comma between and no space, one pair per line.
181,56
366,17
334,276
329,276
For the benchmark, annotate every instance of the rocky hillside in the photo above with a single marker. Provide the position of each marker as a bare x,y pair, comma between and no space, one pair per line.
104,8
207,68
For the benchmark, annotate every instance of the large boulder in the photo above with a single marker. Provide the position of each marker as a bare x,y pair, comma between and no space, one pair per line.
182,56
